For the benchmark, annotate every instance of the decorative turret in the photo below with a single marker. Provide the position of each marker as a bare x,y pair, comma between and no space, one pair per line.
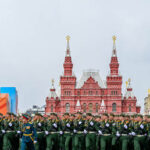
78,106
68,62
129,91
53,94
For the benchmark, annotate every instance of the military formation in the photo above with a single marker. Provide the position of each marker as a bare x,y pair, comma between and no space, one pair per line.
74,132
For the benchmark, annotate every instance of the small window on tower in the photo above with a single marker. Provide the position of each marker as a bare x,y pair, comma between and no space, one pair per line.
51,108
96,92
90,108
84,107
96,107
90,92
84,92
78,93
129,108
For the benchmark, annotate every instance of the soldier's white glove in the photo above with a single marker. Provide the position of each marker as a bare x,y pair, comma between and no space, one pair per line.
35,142
85,131
100,132
80,122
133,133
125,126
55,125
39,124
68,125
75,131
91,123
141,126
61,132
113,124
117,134
3,131
18,132
10,124
130,133
46,132
107,124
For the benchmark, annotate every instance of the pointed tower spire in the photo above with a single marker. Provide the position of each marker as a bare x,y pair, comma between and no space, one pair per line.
114,65
68,47
53,84
68,62
114,53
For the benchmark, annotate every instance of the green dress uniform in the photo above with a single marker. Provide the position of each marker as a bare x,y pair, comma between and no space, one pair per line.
98,135
105,130
147,141
9,138
90,132
78,136
40,128
66,134
122,132
139,133
52,140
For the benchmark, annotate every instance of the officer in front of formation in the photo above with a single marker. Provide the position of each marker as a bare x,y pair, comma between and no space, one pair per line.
29,135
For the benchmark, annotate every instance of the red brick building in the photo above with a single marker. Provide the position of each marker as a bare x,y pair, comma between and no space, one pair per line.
91,93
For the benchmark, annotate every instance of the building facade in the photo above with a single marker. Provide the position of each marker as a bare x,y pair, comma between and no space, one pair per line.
147,104
13,97
91,93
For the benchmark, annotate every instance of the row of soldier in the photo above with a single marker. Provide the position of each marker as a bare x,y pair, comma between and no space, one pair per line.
75,132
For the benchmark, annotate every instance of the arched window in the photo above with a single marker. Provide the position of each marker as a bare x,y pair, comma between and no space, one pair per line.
84,108
67,108
96,107
129,108
90,92
90,108
114,107
51,108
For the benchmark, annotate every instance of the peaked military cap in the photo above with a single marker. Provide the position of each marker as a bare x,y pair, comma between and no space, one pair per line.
111,114
105,114
88,114
66,114
25,116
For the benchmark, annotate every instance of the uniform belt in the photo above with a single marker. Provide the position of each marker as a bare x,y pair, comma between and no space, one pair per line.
91,132
140,135
9,131
80,132
66,132
124,134
106,134
27,134
53,132
39,132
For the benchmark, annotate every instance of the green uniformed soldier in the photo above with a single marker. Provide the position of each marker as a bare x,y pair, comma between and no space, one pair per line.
10,130
139,132
123,130
90,132
39,125
105,130
52,128
78,137
97,120
66,131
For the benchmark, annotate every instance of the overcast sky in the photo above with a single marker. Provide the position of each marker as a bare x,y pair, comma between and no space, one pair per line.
33,44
